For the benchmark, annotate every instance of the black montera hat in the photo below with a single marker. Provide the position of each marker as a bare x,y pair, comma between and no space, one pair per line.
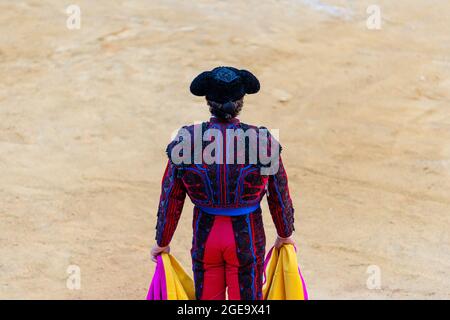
224,84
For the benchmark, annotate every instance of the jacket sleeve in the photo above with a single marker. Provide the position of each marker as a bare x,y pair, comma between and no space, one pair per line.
173,194
280,203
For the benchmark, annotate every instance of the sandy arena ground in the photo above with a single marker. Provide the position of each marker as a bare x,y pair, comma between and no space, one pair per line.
86,114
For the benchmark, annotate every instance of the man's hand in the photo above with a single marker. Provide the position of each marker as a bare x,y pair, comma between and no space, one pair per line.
157,250
280,241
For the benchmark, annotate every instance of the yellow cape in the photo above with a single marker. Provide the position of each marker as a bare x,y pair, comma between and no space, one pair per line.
283,280
179,284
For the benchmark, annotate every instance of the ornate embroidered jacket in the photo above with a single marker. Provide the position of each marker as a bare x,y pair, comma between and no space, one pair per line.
222,185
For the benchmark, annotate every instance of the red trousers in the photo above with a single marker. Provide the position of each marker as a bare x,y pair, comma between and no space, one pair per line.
220,262
228,256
